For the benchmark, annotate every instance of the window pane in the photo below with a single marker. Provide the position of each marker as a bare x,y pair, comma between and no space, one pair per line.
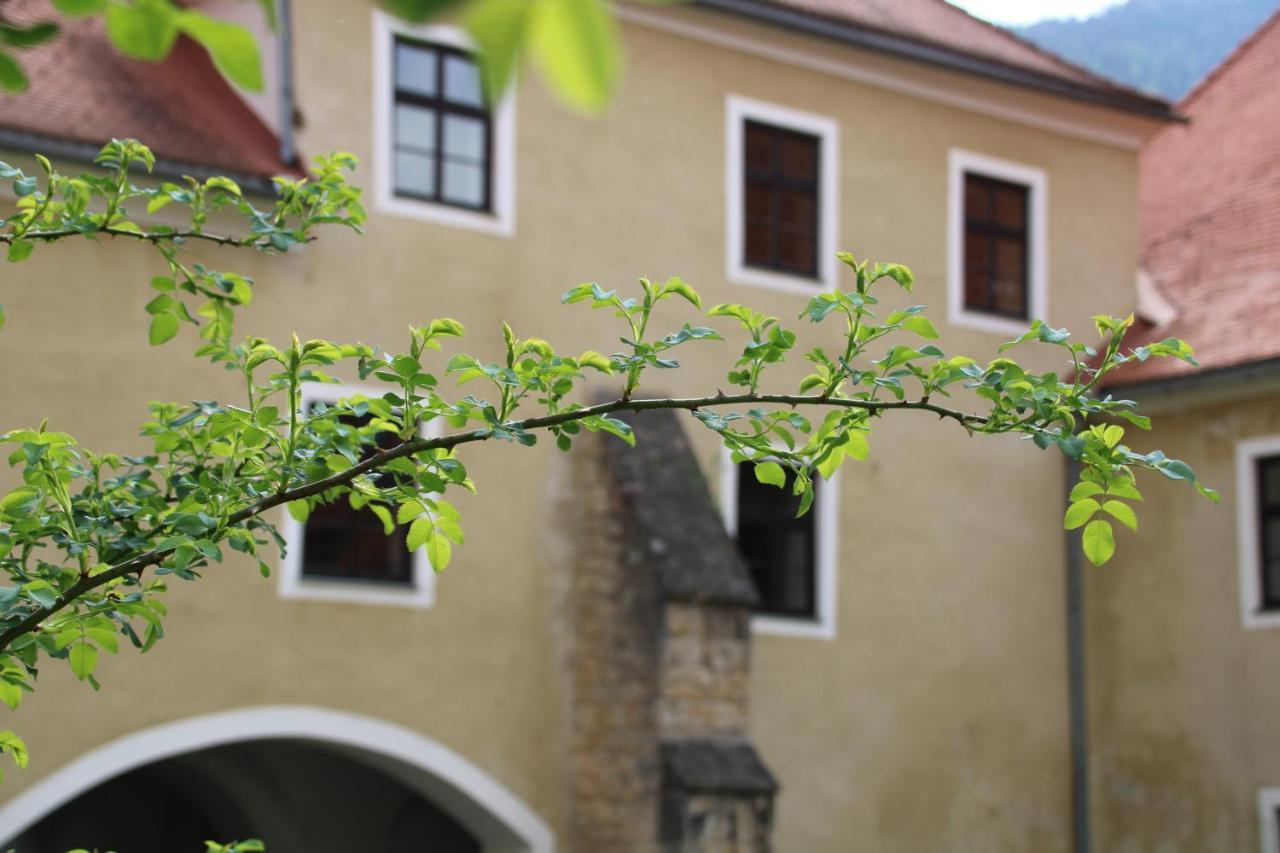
462,81
757,241
758,200
415,127
415,69
779,548
759,148
796,249
799,157
797,207
1269,474
463,183
975,198
415,174
464,137
1010,276
1011,207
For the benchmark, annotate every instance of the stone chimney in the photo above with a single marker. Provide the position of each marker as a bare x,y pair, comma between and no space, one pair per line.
656,641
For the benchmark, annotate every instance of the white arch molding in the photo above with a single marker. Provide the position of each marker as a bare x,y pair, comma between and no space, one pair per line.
493,814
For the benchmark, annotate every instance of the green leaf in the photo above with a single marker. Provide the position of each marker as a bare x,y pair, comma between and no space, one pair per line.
1085,490
10,694
25,186
922,326
28,36
576,46
771,474
269,12
1080,512
1121,512
77,8
419,532
300,510
409,510
683,288
1099,542
20,250
417,11
1,316
232,46
163,328
498,29
12,77
1112,435
145,29
388,525
439,551
83,658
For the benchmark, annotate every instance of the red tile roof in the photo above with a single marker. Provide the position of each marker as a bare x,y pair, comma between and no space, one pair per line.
83,90
1210,205
952,37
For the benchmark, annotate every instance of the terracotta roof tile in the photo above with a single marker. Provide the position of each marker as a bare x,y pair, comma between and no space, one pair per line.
83,90
1210,205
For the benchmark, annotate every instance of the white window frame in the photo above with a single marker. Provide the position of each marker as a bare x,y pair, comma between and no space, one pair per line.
826,531
1268,809
502,219
1250,560
293,584
960,162
739,110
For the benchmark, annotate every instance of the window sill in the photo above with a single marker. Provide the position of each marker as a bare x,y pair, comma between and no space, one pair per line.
783,626
357,592
964,319
779,281
1262,619
444,214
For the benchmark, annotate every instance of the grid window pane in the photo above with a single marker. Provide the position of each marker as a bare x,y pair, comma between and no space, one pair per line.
1271,483
415,174
780,199
416,69
780,550
442,127
463,183
416,128
462,81
1267,472
465,138
340,542
996,247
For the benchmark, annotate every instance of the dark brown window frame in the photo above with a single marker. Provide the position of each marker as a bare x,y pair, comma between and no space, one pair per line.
773,179
990,230
1268,599
442,107
812,610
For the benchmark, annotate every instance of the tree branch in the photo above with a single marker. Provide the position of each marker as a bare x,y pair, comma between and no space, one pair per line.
143,236
140,563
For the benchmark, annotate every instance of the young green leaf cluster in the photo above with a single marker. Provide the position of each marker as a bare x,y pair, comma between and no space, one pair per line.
89,540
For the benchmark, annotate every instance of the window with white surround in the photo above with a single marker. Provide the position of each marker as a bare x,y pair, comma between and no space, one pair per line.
997,231
441,153
781,196
1258,528
1269,819
792,560
344,554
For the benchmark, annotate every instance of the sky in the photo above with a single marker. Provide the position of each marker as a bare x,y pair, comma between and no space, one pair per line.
1012,13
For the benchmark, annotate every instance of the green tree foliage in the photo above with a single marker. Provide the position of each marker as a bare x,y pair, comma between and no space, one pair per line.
1162,46
89,540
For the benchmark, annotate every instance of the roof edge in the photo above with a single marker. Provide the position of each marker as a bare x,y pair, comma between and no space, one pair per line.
85,152
1221,380
942,57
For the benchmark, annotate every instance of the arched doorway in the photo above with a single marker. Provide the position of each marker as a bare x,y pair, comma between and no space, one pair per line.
302,779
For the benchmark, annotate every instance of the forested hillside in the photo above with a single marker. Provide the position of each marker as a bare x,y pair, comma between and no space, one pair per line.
1163,46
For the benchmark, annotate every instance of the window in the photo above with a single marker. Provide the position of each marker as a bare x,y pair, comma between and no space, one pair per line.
1258,522
441,135
995,246
996,243
780,188
443,154
791,560
1269,819
344,554
781,197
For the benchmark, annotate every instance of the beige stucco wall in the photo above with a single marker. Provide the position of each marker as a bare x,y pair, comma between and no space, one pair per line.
1184,721
935,720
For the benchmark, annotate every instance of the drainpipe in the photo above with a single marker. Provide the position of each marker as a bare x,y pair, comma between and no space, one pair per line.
288,152
1077,709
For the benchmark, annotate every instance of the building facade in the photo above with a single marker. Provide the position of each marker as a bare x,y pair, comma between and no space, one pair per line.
898,680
